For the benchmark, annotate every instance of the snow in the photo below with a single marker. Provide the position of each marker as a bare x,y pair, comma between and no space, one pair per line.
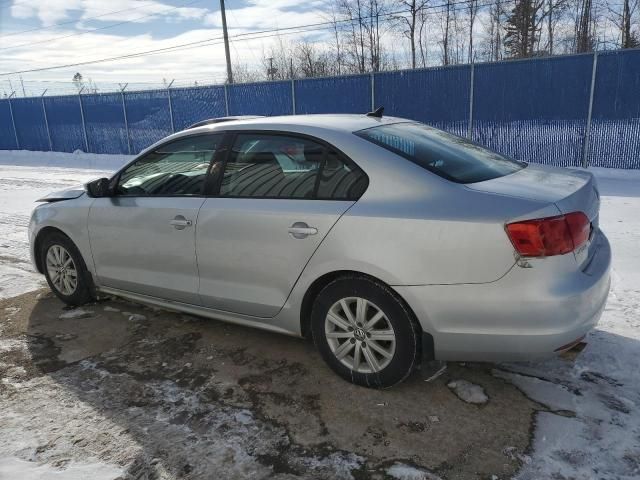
590,423
134,317
400,471
25,177
52,160
468,392
593,428
75,313
24,470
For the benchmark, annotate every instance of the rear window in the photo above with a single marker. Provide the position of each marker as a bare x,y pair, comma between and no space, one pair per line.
449,156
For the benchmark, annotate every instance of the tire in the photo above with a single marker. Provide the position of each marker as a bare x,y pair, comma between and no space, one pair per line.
384,322
56,249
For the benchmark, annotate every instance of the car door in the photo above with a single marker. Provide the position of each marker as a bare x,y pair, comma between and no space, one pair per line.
143,236
278,197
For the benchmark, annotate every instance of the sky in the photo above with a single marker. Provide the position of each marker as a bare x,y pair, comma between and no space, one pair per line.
36,34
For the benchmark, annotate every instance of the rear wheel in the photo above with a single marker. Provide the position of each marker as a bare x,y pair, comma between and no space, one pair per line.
365,332
65,270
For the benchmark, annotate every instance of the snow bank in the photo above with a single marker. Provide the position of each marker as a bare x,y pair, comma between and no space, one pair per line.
11,467
91,161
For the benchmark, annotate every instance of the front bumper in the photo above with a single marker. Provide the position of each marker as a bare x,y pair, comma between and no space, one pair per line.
527,314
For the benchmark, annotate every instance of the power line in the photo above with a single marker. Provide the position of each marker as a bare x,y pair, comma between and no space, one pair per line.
242,36
101,28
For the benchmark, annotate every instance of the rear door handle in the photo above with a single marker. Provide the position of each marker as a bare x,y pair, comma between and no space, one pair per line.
180,223
301,230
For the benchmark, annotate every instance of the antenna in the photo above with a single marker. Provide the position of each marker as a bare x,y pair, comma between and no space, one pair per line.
377,113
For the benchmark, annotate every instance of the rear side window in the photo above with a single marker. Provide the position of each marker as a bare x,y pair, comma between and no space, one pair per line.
282,166
340,180
449,156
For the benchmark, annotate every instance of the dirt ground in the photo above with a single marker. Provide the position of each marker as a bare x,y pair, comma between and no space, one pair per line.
161,395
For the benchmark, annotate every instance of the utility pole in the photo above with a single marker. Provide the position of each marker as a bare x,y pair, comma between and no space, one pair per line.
226,42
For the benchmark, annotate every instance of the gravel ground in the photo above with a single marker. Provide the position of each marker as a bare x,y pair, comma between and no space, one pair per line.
118,391
151,394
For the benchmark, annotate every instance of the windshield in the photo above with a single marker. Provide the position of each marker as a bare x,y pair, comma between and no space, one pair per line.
449,156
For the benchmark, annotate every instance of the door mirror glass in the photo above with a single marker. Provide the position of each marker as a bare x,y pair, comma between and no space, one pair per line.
99,188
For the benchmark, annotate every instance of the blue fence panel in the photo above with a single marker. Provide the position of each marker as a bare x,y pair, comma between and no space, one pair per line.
104,119
7,134
265,98
534,110
148,118
614,140
65,123
435,96
191,105
351,94
30,124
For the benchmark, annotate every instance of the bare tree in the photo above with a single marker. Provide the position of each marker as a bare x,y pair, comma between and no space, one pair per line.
622,19
243,73
337,41
472,8
423,40
495,30
584,39
445,22
409,23
362,42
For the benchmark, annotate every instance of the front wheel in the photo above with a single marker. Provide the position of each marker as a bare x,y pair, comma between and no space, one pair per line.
364,332
65,270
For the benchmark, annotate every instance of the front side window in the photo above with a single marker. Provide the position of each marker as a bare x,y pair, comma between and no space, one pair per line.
449,156
176,168
281,166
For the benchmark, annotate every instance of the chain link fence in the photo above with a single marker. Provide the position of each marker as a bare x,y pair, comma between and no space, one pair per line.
574,110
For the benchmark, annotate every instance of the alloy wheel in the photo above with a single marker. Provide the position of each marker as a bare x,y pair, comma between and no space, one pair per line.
360,335
62,270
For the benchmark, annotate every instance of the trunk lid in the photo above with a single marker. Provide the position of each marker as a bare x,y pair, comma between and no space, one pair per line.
570,190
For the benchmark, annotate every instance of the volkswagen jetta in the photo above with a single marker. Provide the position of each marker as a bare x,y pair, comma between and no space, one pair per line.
385,240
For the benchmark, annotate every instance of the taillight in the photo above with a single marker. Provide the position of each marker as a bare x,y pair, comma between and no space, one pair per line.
544,237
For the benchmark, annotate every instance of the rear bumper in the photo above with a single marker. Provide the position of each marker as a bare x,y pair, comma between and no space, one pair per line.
528,314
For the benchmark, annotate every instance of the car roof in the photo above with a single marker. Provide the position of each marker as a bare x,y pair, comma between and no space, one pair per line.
336,122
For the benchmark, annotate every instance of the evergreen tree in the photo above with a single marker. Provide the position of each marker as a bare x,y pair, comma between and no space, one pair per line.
523,28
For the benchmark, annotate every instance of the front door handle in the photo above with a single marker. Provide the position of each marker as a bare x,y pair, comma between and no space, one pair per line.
180,223
301,230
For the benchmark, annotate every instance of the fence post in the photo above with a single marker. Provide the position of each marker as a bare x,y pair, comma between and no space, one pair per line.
470,126
13,122
126,122
373,92
173,127
587,130
226,101
84,125
46,120
293,95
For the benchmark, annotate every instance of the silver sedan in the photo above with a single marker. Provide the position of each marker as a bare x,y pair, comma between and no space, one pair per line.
386,241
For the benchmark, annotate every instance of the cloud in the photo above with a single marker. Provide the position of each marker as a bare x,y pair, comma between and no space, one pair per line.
205,64
50,12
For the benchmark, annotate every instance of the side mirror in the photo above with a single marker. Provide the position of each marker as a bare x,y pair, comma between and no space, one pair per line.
98,188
